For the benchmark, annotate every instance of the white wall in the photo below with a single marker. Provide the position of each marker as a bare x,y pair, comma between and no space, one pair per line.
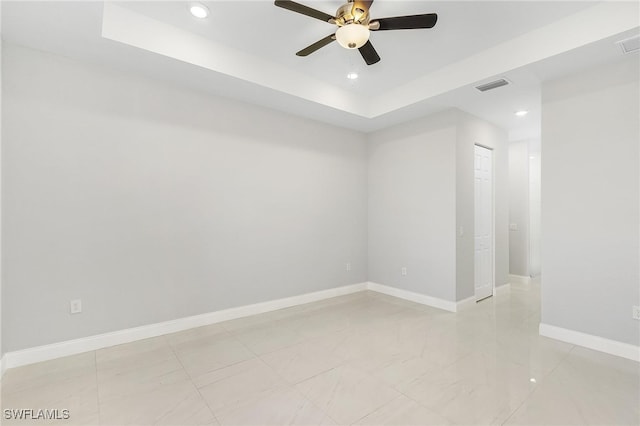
474,131
421,191
590,201
152,203
519,208
412,206
1,132
535,206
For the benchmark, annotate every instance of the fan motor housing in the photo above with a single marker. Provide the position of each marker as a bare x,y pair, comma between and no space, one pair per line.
348,13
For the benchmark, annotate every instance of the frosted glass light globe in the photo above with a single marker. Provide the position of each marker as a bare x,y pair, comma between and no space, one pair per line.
352,36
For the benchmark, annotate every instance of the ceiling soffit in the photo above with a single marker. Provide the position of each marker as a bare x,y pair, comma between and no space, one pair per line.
589,25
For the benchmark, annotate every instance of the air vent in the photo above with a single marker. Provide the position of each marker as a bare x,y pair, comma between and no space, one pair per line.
630,45
493,85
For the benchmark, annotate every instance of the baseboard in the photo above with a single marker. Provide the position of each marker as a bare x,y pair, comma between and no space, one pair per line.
471,301
519,279
91,343
423,299
613,347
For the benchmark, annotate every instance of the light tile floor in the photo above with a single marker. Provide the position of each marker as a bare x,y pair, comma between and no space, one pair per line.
364,359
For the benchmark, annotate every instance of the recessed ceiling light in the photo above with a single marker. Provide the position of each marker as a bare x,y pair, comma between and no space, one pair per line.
521,113
199,10
532,380
352,75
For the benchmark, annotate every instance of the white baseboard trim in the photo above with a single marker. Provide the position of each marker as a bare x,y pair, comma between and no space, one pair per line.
613,347
423,299
471,301
91,343
519,279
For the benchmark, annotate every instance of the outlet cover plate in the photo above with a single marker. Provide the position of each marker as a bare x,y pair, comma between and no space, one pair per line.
75,306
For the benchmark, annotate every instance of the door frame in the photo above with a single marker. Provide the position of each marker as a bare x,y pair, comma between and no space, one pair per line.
493,221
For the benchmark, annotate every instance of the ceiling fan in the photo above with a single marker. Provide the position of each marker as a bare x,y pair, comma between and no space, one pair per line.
354,26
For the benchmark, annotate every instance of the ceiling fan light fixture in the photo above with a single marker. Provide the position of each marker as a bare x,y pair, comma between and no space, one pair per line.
352,36
354,26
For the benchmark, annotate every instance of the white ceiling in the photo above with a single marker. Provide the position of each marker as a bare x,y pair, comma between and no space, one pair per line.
245,50
275,34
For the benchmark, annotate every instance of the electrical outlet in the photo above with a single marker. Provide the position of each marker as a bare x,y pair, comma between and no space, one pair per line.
348,266
75,306
403,271
636,312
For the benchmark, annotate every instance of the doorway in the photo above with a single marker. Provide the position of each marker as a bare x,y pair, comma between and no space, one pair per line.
483,212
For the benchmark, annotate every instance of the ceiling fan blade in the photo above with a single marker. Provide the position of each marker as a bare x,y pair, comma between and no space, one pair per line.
410,22
317,45
305,10
369,54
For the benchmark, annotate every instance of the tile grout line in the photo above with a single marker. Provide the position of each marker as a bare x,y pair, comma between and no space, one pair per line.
292,386
295,389
95,361
536,388
418,402
191,380
505,331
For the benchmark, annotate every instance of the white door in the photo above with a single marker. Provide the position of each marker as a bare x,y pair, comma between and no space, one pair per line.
483,223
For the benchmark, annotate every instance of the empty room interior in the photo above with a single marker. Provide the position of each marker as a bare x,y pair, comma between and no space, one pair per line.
325,212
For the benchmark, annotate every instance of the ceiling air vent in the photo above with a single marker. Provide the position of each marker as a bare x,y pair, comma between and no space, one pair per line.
493,85
630,45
